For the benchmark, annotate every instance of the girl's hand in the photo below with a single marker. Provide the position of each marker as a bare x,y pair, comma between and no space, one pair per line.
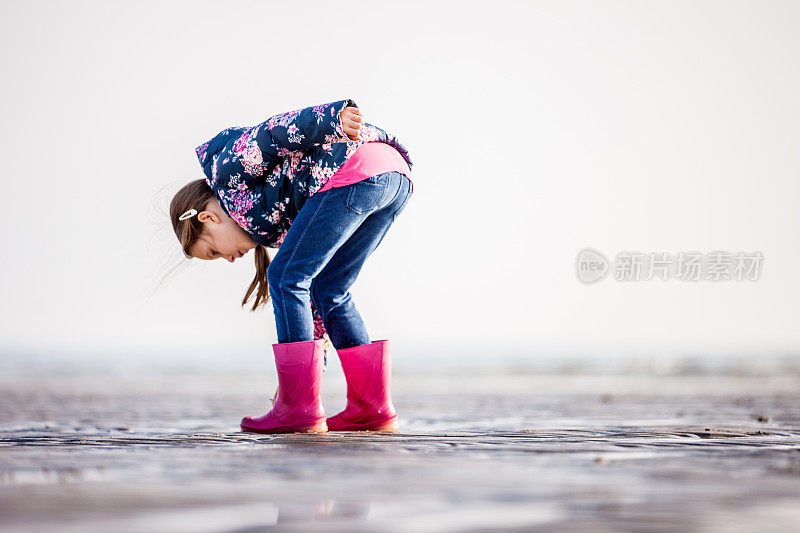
351,122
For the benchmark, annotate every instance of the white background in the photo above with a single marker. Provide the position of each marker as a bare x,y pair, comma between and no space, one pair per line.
536,128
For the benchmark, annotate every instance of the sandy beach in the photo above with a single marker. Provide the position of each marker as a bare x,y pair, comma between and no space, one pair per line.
475,452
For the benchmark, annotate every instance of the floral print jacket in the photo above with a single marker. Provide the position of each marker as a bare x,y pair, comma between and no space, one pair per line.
263,174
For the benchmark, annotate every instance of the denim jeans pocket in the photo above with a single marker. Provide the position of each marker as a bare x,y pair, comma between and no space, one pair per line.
367,195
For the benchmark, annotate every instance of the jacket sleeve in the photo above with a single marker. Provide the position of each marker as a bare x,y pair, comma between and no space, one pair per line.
301,130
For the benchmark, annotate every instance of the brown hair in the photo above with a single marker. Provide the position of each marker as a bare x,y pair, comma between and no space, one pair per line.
195,195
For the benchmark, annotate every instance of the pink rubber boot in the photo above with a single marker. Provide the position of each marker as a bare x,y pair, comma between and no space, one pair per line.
298,407
368,370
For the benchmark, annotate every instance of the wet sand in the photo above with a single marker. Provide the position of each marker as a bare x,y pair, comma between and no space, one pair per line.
473,453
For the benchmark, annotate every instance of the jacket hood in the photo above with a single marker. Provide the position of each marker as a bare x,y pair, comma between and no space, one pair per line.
206,151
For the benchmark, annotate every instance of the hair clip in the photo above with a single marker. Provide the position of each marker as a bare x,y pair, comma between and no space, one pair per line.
188,214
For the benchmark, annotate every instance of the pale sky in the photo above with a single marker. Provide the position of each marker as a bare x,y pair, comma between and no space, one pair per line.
537,129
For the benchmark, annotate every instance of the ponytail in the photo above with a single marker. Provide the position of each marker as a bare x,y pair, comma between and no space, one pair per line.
259,285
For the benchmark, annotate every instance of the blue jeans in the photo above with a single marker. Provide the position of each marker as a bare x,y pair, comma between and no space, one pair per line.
323,252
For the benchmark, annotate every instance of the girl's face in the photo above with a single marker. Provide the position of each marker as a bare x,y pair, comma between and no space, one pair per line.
221,236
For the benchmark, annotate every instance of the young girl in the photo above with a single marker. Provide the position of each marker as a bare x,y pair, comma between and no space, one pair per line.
324,187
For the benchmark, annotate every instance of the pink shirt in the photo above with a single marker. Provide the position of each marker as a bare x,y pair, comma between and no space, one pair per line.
368,160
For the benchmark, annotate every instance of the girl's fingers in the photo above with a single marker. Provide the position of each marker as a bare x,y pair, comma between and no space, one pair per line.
354,118
352,133
351,125
351,122
353,113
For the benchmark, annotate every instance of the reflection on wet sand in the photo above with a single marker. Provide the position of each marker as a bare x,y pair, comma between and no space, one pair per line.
595,453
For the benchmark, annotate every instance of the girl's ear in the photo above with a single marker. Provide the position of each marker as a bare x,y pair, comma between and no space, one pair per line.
212,212
206,216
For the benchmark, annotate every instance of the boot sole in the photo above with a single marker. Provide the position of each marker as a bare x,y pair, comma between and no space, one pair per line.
321,427
383,427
